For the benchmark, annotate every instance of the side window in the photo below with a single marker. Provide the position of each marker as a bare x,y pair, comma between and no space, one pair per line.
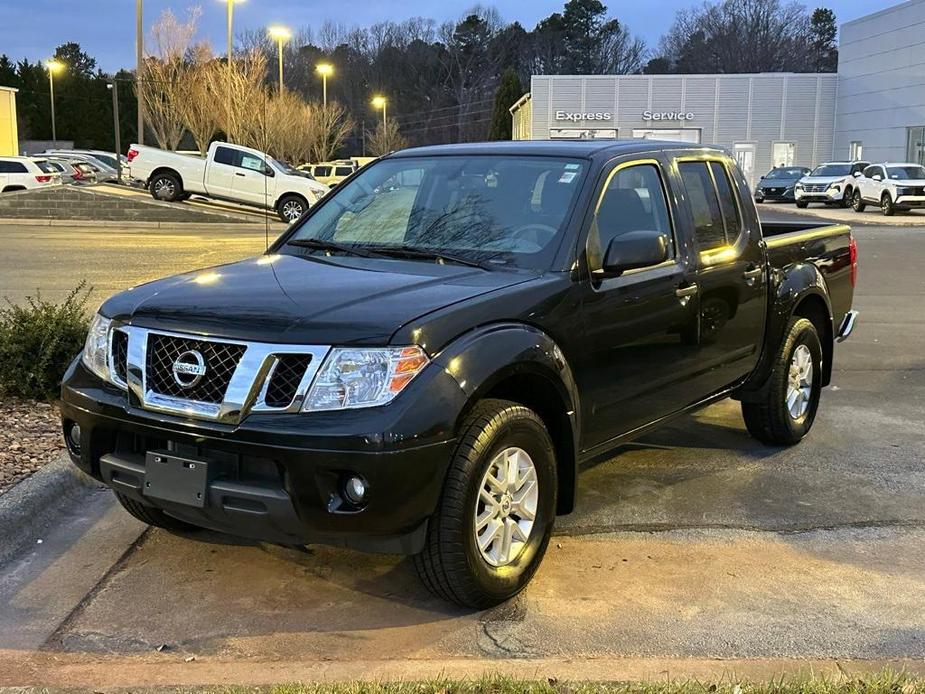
322,170
727,201
869,171
226,155
634,200
343,171
252,162
12,167
709,230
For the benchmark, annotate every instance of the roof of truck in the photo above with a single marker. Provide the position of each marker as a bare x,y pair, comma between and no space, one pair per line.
555,148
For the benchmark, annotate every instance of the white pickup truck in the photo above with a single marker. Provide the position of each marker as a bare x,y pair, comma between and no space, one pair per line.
228,172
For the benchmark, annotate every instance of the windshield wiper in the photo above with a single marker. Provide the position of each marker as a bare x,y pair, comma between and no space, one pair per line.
320,245
439,256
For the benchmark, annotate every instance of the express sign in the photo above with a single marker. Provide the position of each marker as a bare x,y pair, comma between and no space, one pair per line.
667,115
569,115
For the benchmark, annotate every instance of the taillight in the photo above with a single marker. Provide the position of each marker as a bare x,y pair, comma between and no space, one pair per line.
43,179
853,258
132,153
78,174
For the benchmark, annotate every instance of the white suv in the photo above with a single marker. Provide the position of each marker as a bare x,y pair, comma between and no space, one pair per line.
26,173
891,186
832,183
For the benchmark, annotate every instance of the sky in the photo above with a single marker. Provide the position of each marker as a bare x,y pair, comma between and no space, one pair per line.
106,28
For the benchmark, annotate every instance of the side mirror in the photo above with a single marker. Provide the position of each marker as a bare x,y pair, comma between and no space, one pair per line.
877,177
635,249
761,178
268,172
857,174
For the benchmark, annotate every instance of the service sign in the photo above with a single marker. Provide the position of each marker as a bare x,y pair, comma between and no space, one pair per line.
667,115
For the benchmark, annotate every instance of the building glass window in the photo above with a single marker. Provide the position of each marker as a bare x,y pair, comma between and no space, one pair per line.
674,135
856,151
915,151
782,154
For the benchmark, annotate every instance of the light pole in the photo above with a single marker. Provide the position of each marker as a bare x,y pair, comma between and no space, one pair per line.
324,69
53,67
114,88
230,5
139,68
280,34
381,102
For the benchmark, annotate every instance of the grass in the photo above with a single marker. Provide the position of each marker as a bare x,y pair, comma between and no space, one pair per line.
886,682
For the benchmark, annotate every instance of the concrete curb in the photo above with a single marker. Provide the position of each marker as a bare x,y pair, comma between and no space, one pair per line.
26,507
167,226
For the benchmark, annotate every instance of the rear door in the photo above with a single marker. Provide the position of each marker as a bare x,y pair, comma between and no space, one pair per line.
730,271
639,329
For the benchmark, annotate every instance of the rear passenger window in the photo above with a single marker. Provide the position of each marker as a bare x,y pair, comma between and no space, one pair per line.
322,171
634,200
727,201
709,230
343,171
226,155
12,167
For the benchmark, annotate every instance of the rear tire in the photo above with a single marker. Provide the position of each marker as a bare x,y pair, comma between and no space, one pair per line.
291,207
153,516
479,515
802,204
787,412
886,205
857,203
166,187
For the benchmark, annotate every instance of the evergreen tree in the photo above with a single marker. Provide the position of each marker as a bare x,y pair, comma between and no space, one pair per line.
506,95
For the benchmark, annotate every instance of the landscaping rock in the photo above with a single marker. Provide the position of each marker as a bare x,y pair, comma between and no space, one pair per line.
30,438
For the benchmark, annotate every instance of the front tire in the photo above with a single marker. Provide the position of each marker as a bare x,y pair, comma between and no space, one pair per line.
846,198
802,204
886,205
483,546
857,203
788,409
166,187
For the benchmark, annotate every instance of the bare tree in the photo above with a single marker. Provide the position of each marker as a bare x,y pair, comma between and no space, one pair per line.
386,138
165,68
244,114
331,127
197,96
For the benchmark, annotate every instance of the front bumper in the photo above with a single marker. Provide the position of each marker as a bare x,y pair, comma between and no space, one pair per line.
279,477
774,194
825,196
910,201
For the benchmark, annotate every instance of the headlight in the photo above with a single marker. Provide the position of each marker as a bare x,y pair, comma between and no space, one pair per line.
351,378
835,186
96,348
903,191
799,186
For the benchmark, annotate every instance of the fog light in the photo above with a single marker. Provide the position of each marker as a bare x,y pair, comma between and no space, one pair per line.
355,489
72,438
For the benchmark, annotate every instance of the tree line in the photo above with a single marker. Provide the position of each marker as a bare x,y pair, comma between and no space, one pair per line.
450,82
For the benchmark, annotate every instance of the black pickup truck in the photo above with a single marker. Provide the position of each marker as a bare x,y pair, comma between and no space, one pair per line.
423,362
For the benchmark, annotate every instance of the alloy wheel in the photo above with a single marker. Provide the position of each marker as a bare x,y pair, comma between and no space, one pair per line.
800,382
505,510
164,188
292,210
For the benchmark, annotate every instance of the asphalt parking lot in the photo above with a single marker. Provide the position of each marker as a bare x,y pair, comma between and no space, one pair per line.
694,544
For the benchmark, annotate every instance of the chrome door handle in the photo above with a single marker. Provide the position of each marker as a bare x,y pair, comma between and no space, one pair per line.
236,173
685,292
752,275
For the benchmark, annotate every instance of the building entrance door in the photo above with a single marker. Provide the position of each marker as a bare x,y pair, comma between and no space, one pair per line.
745,157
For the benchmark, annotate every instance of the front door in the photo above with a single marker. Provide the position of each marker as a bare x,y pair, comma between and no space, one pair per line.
251,182
730,273
745,158
639,329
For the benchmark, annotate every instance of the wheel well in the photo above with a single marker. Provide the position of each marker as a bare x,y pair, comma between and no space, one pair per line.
10,189
301,197
540,395
814,309
167,170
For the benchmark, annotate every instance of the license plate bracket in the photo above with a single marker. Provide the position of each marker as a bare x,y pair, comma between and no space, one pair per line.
174,478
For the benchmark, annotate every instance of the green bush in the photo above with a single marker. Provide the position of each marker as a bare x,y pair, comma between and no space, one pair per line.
38,341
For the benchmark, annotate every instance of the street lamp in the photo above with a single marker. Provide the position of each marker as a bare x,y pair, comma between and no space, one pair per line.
324,69
139,68
280,34
381,102
230,4
53,67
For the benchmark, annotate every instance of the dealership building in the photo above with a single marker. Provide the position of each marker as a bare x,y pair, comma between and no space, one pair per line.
872,108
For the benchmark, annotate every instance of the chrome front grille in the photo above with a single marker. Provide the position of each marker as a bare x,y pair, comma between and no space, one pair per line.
221,360
815,187
237,377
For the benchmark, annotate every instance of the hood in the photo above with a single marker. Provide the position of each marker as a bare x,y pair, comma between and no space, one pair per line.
823,179
303,299
908,182
299,181
777,182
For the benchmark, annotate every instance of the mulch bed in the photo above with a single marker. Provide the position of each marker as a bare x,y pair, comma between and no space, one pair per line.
30,437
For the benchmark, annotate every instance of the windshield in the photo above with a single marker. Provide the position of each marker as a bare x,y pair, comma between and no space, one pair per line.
786,173
511,209
832,170
905,172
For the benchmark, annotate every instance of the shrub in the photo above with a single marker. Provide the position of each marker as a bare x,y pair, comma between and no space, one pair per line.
37,342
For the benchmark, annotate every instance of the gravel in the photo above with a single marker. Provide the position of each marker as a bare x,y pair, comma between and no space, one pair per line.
30,437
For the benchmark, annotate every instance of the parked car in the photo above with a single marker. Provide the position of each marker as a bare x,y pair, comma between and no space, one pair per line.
66,169
778,183
26,173
229,172
104,172
891,186
832,183
107,158
422,368
331,173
